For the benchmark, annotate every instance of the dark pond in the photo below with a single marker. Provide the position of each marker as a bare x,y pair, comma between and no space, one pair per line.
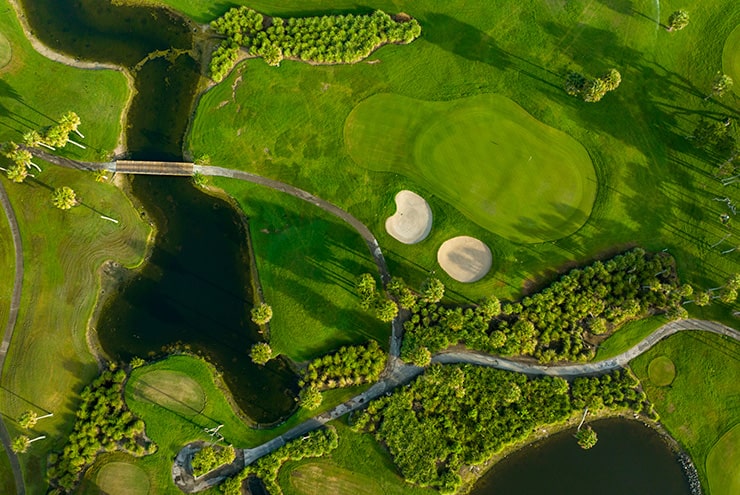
195,289
629,458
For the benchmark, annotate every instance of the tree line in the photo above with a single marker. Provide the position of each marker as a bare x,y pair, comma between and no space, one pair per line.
329,39
314,444
103,424
211,457
461,415
349,366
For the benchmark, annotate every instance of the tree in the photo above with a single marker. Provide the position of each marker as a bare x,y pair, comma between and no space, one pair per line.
101,175
64,198
702,298
262,314
28,419
575,83
16,172
71,121
586,437
433,290
420,356
595,90
721,84
21,443
678,20
490,306
310,398
612,79
261,353
385,309
366,288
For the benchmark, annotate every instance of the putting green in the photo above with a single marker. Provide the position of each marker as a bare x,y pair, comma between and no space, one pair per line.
485,155
122,478
172,390
661,371
731,58
722,464
6,51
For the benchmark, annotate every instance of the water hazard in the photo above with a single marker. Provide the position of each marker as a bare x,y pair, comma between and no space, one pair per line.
196,287
628,458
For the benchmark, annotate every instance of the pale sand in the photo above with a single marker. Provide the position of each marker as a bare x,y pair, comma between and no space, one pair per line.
412,221
464,258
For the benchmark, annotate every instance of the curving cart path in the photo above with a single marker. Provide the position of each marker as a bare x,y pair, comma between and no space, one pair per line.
15,303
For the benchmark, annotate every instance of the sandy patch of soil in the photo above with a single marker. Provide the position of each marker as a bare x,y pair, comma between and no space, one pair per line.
412,221
466,259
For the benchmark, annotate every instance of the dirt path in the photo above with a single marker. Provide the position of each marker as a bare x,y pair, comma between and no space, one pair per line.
15,303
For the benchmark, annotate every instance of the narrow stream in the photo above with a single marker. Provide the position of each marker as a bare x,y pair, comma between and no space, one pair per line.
195,290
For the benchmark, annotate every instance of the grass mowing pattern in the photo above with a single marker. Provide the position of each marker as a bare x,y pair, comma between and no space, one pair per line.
485,155
172,390
703,402
661,371
122,478
730,59
722,463
6,51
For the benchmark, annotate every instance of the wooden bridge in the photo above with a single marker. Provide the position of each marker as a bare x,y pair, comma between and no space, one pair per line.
152,168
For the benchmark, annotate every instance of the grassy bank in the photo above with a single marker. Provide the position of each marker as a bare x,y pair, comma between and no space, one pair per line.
700,405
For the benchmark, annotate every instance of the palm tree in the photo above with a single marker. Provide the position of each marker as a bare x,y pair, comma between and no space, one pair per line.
21,443
262,314
28,419
64,198
678,20
72,121
34,139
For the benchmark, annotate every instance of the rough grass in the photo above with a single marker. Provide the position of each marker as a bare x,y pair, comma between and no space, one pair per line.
7,482
730,58
122,478
661,371
722,463
703,402
172,390
628,336
358,466
485,155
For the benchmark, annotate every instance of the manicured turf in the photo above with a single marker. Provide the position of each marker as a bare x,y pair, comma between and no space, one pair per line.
7,482
484,155
6,51
122,478
661,371
172,390
358,466
731,58
723,462
703,402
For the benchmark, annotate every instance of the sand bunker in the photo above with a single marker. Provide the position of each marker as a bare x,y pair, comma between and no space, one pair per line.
464,258
412,221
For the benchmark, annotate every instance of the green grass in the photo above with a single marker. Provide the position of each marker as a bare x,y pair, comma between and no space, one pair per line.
7,482
308,262
731,58
661,371
722,462
703,402
628,336
122,478
358,466
172,390
485,155
48,361
6,51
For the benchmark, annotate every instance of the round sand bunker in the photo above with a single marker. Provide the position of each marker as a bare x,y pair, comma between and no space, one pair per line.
466,259
412,221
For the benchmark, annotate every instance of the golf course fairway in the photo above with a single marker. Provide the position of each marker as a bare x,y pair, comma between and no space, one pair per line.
731,58
484,155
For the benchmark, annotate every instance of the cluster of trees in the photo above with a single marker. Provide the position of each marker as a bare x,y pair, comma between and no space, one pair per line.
314,444
57,135
371,299
103,424
453,416
592,90
726,293
551,324
329,39
19,162
210,457
27,421
350,365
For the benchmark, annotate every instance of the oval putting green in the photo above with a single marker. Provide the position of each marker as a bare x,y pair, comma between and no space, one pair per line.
6,51
172,390
661,371
485,155
722,464
731,58
122,478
